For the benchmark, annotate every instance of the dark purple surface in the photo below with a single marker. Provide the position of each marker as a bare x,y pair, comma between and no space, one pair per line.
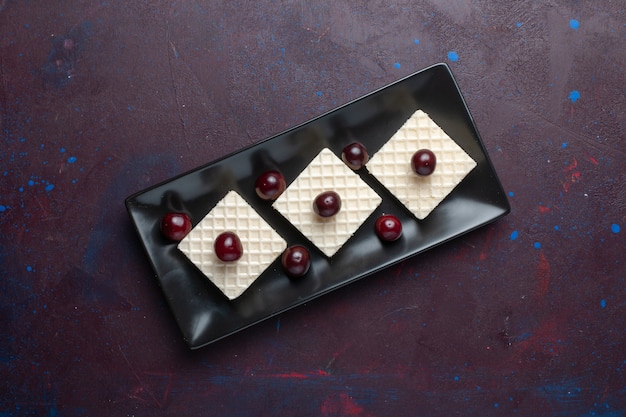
102,99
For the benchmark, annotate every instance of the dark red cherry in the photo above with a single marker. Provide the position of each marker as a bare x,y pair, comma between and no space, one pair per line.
355,155
423,162
270,184
228,247
296,261
388,227
175,226
327,204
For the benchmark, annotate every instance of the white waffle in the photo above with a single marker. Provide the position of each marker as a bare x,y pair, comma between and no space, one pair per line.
261,245
391,165
327,173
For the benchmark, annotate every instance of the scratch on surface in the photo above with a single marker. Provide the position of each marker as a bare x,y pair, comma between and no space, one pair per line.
179,105
330,363
319,35
174,50
585,139
397,310
141,388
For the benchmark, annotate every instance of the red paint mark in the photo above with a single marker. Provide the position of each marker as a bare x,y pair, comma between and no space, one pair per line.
593,160
573,176
544,209
543,275
483,252
571,166
566,186
547,338
300,375
342,406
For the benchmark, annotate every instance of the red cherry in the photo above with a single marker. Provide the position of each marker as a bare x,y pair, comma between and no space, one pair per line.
296,260
327,204
355,156
228,247
175,226
270,184
388,227
423,162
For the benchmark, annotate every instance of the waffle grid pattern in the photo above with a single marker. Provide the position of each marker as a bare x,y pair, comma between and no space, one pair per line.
261,245
327,173
391,165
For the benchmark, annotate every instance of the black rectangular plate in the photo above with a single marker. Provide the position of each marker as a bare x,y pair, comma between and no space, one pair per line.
205,315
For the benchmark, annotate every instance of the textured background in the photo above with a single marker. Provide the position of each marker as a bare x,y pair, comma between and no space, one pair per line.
100,99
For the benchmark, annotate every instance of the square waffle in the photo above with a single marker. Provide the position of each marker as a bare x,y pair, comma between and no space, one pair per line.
327,172
391,165
261,245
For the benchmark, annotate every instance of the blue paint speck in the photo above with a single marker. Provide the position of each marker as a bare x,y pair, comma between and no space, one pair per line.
416,41
29,268
49,187
574,24
3,208
518,24
514,235
456,377
564,145
71,159
603,303
31,182
319,94
397,65
496,405
615,228
556,227
62,150
537,245
511,194
453,56
574,95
